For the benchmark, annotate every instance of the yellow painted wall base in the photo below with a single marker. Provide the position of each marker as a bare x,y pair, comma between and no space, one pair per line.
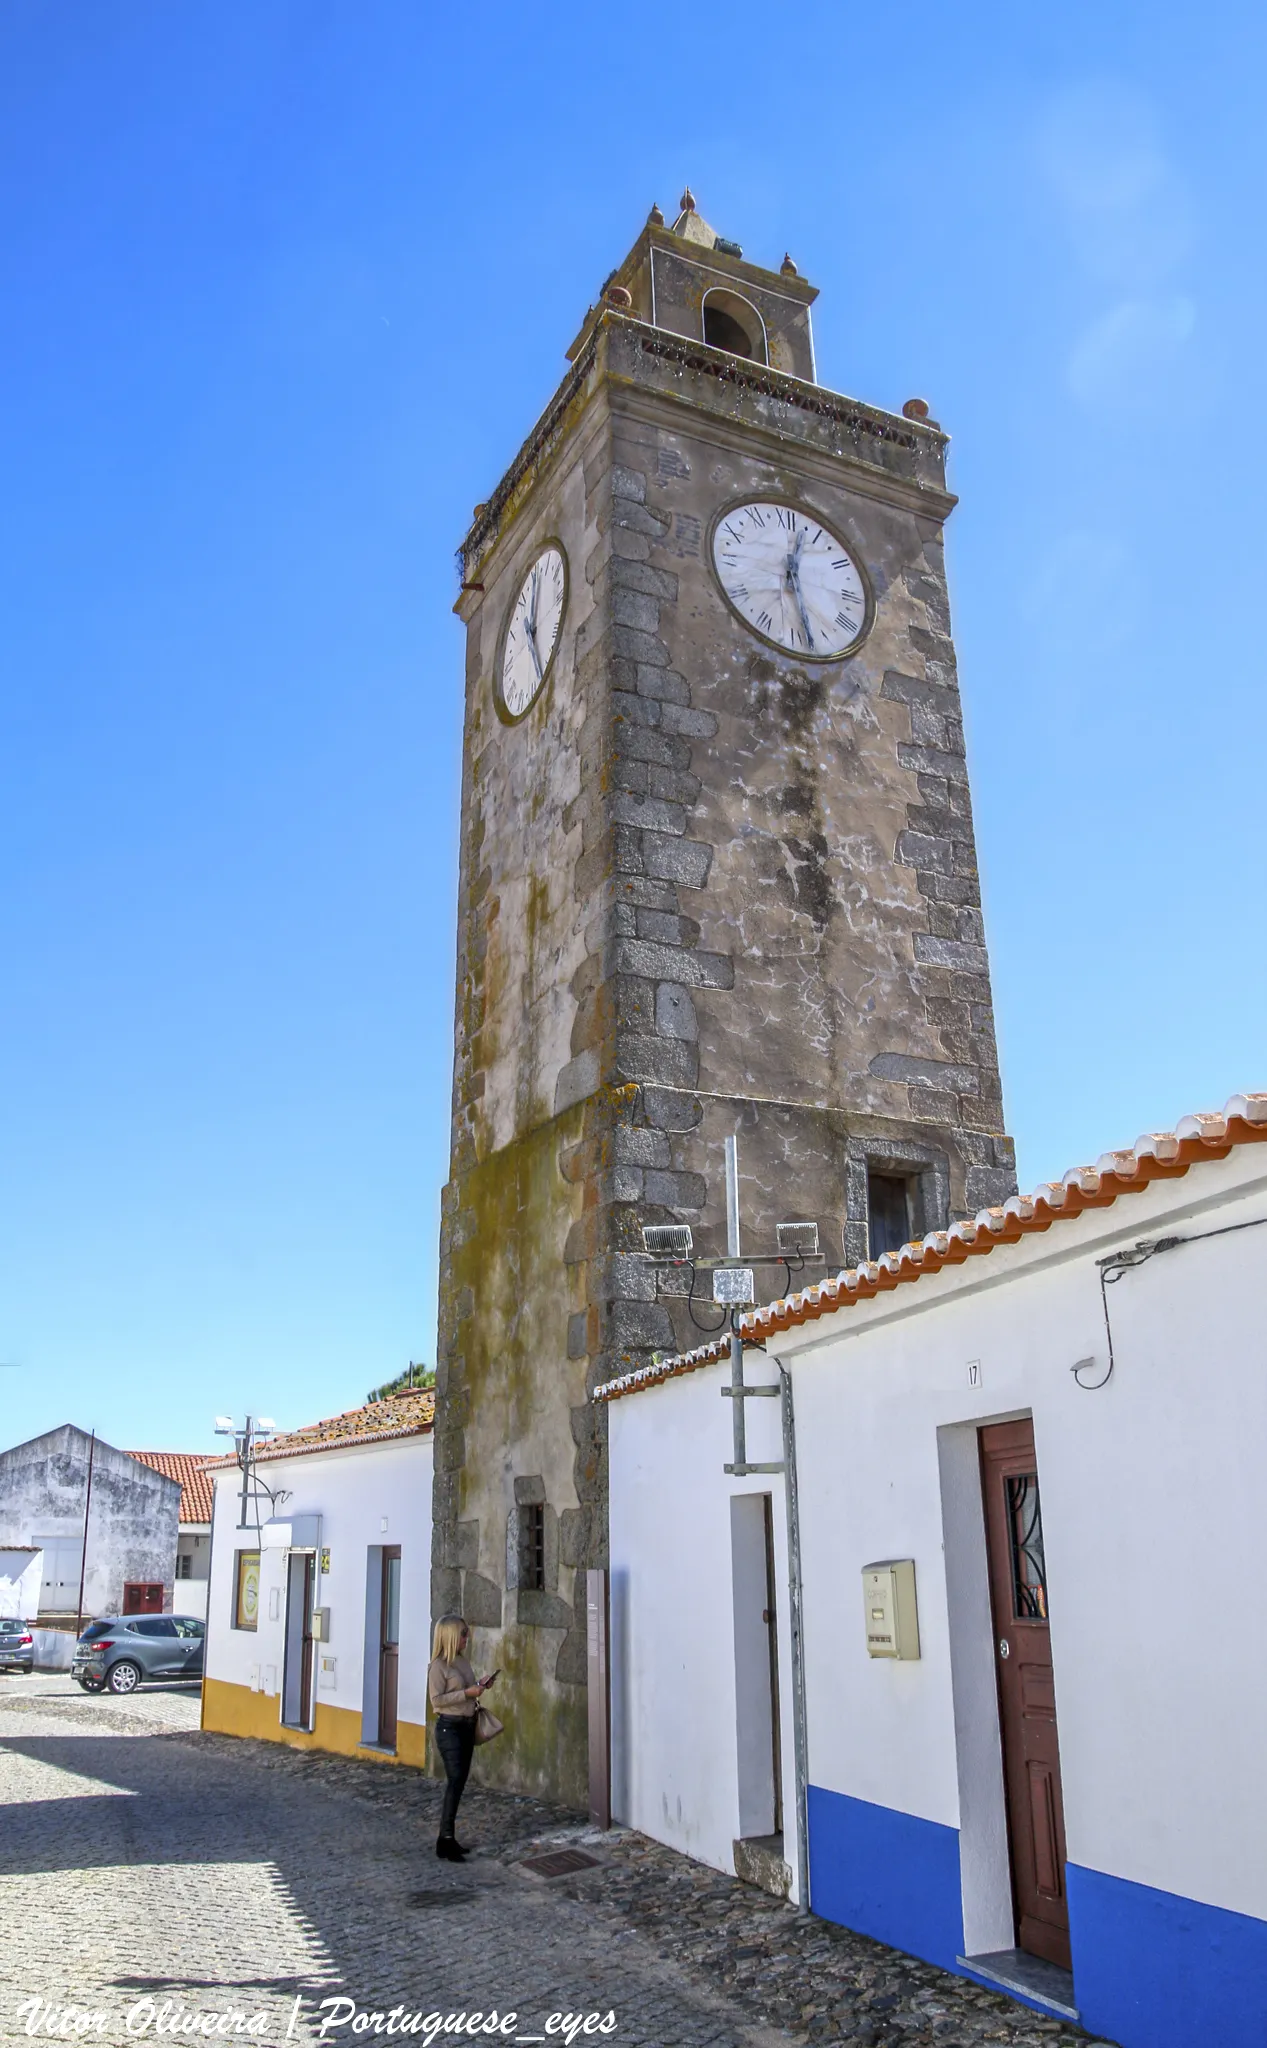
236,1710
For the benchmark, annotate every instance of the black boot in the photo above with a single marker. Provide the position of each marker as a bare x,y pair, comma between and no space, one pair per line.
447,1850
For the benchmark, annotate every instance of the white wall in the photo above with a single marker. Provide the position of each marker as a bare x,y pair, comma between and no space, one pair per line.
355,1491
189,1596
194,1542
21,1576
675,1768
1151,1494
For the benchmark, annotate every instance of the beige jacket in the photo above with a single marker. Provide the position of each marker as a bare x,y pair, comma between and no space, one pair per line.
446,1687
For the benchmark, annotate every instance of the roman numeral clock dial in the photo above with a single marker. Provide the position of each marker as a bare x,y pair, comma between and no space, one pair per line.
791,580
532,633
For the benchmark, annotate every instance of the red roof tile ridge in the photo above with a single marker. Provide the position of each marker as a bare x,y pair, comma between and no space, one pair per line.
1157,1155
190,1469
409,1413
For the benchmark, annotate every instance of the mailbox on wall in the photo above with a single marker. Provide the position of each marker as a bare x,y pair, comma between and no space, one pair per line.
888,1596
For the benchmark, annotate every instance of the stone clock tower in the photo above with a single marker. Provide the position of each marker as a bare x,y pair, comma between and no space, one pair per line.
717,875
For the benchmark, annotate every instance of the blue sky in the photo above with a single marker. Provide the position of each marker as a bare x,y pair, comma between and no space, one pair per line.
284,286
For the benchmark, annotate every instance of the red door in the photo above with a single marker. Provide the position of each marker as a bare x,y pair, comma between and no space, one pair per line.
139,1598
1027,1695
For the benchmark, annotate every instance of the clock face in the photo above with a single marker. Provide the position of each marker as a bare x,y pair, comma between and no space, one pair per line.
532,633
791,579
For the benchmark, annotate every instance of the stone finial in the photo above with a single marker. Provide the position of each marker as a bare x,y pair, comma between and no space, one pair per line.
687,201
915,409
655,218
787,268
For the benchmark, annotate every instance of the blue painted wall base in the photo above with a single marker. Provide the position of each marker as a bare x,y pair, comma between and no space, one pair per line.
1150,1969
886,1874
1153,1970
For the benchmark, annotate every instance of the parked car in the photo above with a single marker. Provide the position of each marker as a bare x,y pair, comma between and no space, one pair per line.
119,1654
17,1645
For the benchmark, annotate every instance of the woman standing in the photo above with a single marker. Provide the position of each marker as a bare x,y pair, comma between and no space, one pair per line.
454,1694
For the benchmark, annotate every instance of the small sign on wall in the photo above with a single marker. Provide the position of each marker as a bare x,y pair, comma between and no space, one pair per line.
974,1372
327,1673
888,1605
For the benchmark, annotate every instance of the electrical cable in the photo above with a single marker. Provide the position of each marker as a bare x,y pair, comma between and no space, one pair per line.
1116,1264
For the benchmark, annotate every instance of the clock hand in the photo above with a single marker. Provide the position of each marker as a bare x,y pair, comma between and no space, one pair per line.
531,644
531,639
530,624
794,579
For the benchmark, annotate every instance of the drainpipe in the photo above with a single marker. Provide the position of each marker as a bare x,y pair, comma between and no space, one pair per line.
83,1555
800,1746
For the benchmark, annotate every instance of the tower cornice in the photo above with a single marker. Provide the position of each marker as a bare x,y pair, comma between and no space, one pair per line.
897,459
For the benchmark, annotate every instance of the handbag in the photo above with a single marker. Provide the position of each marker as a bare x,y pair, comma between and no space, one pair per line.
487,1726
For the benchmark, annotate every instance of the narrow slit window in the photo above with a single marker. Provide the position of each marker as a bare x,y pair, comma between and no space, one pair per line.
888,1213
532,1547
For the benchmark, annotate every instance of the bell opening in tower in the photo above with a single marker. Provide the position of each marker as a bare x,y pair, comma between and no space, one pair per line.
731,324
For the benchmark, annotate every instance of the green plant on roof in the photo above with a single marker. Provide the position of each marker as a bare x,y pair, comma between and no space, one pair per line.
412,1380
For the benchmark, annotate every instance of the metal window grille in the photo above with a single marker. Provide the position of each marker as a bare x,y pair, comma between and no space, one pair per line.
532,1547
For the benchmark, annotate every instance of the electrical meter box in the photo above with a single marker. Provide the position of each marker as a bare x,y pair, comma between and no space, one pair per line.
321,1624
888,1595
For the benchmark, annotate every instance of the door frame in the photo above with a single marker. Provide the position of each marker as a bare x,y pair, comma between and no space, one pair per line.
389,1554
758,1747
298,1647
989,1924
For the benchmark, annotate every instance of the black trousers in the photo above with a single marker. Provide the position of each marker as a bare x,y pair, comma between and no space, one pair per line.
455,1740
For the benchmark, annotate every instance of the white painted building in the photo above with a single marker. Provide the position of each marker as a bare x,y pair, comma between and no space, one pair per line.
193,1536
318,1616
1051,1457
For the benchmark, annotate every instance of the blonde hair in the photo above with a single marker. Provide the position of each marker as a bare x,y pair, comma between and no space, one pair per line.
447,1640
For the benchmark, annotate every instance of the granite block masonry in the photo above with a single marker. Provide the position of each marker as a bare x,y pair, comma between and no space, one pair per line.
706,885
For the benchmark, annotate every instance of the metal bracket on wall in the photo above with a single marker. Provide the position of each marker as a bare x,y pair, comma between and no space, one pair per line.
740,1470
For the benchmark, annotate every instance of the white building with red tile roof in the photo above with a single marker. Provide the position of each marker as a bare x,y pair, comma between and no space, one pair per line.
318,1623
984,1681
193,1538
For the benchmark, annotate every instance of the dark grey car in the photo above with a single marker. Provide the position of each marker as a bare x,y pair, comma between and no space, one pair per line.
121,1654
17,1645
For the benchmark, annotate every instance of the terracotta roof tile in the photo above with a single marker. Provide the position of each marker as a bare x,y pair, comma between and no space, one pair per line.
190,1468
408,1414
1159,1155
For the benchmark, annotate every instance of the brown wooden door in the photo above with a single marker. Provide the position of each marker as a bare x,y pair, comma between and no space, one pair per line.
305,1668
389,1646
142,1598
1027,1696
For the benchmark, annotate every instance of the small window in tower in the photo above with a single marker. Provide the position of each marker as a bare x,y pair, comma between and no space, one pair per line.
532,1548
731,323
888,1212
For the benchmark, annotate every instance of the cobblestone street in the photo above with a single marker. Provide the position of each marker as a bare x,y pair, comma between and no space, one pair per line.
141,1860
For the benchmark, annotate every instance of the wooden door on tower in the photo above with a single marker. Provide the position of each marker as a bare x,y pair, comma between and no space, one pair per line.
389,1647
1027,1696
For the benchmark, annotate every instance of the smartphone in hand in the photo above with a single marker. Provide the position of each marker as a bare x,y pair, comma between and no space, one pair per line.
486,1682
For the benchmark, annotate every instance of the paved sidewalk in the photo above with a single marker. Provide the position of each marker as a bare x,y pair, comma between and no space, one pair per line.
141,1860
